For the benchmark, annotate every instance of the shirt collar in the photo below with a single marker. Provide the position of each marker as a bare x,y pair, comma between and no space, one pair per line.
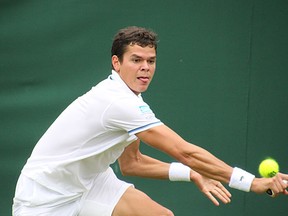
116,76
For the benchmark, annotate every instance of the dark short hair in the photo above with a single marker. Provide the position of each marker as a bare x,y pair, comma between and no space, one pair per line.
132,35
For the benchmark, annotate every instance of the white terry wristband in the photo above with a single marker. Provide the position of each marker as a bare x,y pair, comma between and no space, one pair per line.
179,172
241,180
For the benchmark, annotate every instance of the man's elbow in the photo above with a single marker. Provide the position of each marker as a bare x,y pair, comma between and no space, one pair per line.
128,169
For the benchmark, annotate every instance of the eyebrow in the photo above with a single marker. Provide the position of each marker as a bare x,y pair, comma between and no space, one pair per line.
137,56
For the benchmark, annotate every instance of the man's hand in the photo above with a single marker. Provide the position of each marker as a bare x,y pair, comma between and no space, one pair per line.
211,188
275,184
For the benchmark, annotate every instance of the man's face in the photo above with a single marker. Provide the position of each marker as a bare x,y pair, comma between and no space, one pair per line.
137,67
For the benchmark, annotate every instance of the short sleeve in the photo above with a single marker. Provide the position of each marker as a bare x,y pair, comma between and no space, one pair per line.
130,115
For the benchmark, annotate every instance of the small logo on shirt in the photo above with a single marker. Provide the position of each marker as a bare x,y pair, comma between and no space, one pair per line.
145,109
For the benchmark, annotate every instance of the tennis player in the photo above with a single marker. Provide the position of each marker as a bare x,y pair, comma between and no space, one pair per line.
68,172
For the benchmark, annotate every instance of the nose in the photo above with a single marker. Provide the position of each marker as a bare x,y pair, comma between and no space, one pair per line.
145,66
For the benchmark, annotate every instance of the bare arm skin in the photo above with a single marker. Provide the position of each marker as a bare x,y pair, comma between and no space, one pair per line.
197,158
133,163
200,160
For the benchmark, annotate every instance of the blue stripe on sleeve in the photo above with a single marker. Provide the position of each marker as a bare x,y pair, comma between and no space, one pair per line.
142,128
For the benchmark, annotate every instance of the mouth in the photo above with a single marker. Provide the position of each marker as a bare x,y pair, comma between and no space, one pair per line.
143,79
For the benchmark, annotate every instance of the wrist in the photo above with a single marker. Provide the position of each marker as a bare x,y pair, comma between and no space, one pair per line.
179,172
195,176
241,179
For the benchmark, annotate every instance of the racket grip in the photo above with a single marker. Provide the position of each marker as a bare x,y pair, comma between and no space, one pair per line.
271,193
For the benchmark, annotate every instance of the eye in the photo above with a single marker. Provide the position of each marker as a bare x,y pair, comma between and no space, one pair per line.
136,60
151,61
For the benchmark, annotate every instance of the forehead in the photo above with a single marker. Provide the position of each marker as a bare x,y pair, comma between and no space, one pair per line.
136,50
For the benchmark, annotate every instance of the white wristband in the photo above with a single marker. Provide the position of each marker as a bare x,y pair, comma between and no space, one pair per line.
241,180
179,172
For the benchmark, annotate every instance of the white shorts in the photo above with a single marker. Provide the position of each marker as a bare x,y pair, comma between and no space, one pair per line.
33,199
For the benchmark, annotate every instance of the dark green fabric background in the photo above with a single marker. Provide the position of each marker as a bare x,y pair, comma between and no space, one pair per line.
221,82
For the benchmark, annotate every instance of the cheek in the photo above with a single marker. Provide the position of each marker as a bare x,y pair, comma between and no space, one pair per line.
152,71
153,68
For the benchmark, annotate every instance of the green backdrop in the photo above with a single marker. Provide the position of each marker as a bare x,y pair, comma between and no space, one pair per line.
221,82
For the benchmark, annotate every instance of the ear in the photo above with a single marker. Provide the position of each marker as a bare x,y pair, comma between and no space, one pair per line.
115,63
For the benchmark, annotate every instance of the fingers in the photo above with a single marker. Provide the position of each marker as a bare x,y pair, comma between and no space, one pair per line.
223,189
222,193
278,185
213,189
212,198
219,192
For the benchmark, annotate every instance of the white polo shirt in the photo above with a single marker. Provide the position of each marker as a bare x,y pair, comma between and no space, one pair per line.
88,136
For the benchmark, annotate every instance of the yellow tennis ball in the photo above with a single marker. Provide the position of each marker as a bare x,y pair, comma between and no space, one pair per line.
268,168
